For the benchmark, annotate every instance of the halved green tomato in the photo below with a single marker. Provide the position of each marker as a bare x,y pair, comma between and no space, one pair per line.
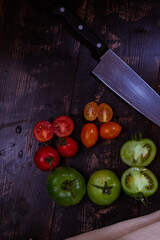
138,153
139,182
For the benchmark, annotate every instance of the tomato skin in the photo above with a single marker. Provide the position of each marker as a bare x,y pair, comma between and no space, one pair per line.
91,111
110,130
63,126
66,186
67,147
89,134
105,112
103,187
43,131
43,153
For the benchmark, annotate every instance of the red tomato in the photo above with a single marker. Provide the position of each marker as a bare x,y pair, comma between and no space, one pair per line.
91,111
67,147
105,112
43,131
89,134
110,130
63,126
46,158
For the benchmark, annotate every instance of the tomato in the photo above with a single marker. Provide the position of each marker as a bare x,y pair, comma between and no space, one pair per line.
91,111
66,186
89,134
67,147
103,187
63,126
43,131
110,130
138,153
105,112
46,158
139,182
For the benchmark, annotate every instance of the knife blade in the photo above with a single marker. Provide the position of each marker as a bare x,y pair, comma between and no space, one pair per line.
114,72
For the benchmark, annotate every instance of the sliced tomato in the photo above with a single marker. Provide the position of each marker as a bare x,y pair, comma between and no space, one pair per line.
43,131
91,111
105,112
138,152
139,182
63,126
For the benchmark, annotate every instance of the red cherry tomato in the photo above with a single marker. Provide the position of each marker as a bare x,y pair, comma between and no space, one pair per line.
63,126
67,147
43,131
91,111
110,130
105,112
89,134
46,158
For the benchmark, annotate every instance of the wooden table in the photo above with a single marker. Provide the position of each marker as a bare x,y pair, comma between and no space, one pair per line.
44,73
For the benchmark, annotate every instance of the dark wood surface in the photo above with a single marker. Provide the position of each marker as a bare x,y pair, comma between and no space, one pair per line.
45,72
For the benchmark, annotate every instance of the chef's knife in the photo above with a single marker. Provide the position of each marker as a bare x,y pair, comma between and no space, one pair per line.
115,73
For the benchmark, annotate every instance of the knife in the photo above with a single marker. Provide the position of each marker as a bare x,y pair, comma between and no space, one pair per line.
114,72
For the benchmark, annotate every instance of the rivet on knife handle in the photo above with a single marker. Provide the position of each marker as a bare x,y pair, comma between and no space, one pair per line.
81,29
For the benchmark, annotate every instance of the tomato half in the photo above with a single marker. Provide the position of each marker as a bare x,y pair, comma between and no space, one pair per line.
89,134
91,111
103,187
46,158
110,130
138,153
43,131
63,126
67,147
139,182
105,112
66,186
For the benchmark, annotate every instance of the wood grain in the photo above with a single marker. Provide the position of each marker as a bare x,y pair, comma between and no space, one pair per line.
45,72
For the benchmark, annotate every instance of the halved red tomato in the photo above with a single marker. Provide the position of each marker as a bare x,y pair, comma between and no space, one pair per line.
63,126
43,131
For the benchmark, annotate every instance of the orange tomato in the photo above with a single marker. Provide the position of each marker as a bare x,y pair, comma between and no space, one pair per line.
110,130
105,112
89,134
91,111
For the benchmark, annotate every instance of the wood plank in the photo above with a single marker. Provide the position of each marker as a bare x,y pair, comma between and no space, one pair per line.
45,73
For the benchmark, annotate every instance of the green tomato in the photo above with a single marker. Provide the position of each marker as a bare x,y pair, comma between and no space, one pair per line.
139,182
103,187
138,153
66,186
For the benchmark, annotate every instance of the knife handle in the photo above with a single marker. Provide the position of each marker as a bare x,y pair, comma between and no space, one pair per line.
79,26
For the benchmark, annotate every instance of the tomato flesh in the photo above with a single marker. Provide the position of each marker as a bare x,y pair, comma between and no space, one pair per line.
91,111
63,126
139,182
43,131
138,153
105,112
66,186
103,187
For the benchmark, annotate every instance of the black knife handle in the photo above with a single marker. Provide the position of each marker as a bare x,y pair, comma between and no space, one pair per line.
79,26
